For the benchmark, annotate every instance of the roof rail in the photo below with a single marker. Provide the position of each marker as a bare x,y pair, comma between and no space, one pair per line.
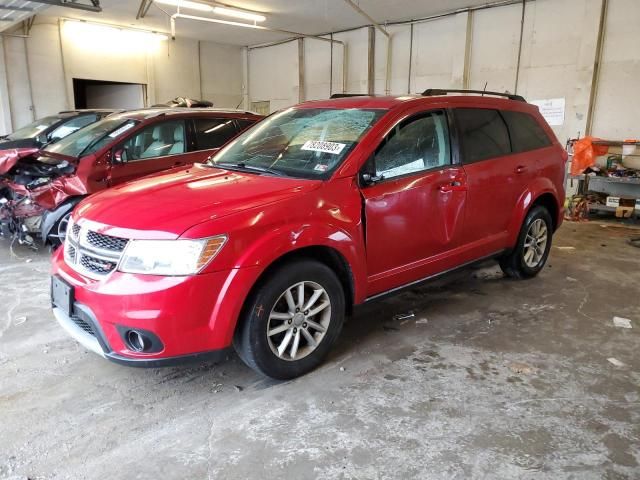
432,92
347,95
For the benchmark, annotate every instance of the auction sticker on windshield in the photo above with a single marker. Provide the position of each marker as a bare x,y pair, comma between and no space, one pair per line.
121,130
327,147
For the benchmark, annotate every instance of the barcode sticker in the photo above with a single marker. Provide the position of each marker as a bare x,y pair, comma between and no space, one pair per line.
327,147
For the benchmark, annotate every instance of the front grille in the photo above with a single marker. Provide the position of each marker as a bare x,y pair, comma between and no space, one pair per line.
106,242
96,265
91,253
83,325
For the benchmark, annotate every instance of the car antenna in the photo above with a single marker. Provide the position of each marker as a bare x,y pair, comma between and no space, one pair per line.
238,106
485,88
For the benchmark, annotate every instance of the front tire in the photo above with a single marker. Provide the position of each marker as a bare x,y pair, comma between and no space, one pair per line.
291,320
59,231
532,249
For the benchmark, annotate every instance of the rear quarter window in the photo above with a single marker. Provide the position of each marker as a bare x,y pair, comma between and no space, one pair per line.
483,134
526,133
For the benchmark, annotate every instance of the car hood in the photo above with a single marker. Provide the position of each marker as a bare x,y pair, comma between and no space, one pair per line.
9,156
166,205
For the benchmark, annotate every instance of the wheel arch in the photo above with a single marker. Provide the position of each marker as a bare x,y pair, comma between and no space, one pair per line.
51,217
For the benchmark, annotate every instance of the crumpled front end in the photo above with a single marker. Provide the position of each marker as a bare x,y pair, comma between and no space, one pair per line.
9,158
28,190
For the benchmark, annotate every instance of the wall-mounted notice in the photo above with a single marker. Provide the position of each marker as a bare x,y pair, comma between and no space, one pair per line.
552,110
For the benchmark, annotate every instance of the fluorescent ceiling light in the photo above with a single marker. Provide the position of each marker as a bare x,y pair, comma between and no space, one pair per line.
243,14
203,7
89,31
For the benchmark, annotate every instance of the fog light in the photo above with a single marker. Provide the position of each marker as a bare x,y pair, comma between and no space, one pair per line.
137,341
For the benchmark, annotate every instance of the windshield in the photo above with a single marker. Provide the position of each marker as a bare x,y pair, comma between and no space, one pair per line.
34,129
306,142
92,138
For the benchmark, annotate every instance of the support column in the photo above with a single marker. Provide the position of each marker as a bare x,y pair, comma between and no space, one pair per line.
5,108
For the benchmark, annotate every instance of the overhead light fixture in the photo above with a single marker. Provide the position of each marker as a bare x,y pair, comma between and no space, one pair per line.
216,9
235,13
110,38
203,7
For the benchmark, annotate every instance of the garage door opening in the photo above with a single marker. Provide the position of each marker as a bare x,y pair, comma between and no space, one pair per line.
106,94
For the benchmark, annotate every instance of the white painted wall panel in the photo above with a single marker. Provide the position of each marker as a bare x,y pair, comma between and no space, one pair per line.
18,81
557,62
438,53
221,70
617,111
175,70
273,75
317,71
494,49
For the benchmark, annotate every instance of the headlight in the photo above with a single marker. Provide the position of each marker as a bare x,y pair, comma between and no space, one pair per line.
170,257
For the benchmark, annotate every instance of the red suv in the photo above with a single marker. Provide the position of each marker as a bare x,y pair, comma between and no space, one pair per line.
316,209
38,193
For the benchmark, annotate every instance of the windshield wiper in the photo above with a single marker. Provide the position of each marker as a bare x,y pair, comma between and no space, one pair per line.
244,166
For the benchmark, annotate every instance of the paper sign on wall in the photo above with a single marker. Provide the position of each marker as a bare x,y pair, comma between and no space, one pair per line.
552,110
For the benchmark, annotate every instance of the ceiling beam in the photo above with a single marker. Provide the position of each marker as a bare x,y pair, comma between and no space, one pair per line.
368,17
16,9
94,7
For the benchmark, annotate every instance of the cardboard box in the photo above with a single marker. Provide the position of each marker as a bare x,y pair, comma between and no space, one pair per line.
624,212
616,202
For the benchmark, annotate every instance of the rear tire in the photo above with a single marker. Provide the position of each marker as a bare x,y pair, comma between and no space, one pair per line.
532,248
291,320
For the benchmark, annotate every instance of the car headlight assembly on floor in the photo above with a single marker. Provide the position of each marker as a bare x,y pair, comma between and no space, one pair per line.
170,257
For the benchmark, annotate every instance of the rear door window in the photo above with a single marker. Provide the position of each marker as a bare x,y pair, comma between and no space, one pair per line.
526,132
483,134
214,132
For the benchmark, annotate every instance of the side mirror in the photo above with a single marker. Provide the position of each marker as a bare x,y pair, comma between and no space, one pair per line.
368,179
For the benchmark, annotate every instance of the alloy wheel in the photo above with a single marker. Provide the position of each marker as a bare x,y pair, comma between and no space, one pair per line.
299,320
535,243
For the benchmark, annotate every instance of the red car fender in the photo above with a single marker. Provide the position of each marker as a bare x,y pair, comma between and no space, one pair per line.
268,249
535,190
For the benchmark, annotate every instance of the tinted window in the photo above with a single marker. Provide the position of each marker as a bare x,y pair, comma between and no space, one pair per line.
414,145
92,138
244,124
214,133
157,140
70,126
526,132
483,134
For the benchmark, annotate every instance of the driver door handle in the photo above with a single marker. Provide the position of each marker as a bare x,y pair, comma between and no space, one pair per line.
454,186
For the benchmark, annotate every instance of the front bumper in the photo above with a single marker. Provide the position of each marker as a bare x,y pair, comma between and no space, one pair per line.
97,343
193,317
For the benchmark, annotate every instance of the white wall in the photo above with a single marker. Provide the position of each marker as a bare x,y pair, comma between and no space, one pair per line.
557,61
274,76
617,110
39,71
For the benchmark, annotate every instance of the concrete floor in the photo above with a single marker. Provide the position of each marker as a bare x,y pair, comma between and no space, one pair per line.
490,378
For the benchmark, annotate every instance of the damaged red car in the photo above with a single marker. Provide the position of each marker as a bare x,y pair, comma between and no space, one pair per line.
38,192
317,209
